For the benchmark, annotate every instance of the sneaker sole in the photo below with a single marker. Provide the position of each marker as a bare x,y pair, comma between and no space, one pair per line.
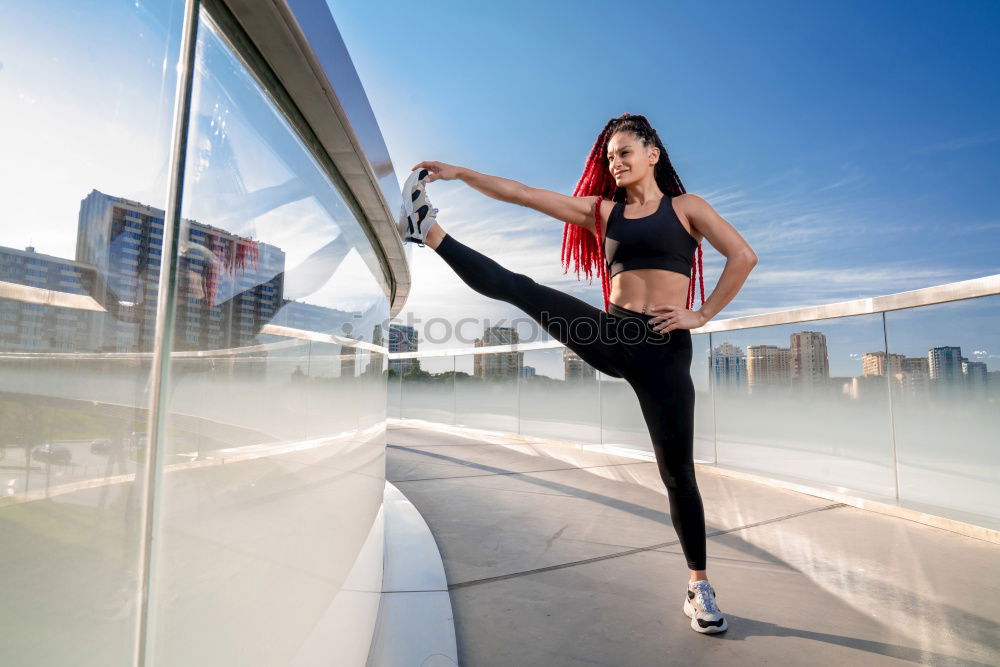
707,630
408,186
408,209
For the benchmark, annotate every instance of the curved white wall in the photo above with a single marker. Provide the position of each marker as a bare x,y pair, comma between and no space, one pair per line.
266,527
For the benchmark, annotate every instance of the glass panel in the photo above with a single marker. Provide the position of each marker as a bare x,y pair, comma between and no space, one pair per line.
560,397
402,338
704,407
274,447
486,390
945,390
622,420
428,390
86,141
395,387
371,384
800,402
621,417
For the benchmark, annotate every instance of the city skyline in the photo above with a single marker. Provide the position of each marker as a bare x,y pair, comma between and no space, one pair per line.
407,339
230,288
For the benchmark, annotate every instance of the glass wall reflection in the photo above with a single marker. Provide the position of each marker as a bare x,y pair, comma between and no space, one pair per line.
944,370
428,389
86,139
704,401
402,338
395,389
486,389
800,401
622,422
274,442
560,397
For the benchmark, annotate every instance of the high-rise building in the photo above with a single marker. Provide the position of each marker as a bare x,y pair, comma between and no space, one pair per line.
529,372
861,387
809,359
768,366
728,366
975,378
873,363
576,369
945,364
348,360
498,364
402,339
913,375
376,360
993,385
228,286
39,319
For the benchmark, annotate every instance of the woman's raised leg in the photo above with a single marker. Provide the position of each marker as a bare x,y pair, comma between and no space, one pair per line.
586,330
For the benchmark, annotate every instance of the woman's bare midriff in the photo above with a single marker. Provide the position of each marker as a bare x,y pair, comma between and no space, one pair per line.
639,288
644,288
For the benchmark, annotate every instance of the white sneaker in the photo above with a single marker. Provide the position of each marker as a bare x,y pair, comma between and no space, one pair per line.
416,215
701,608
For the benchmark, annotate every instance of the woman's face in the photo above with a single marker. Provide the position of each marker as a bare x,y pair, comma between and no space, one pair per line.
629,161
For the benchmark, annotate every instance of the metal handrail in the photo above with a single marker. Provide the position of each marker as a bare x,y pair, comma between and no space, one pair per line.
958,291
946,293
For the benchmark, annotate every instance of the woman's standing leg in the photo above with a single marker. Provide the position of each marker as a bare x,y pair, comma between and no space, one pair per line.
661,378
663,384
573,322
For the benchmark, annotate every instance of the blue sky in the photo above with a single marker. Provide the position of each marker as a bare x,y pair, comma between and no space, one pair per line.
855,145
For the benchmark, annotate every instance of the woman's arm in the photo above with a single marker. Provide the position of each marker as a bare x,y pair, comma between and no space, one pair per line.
574,210
734,274
740,257
740,260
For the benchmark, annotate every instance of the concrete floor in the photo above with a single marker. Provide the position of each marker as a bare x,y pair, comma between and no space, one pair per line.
557,556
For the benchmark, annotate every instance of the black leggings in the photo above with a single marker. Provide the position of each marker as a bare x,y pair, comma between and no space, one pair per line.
620,344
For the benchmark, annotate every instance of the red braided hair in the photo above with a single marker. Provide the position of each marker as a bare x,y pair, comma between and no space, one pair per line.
582,248
231,254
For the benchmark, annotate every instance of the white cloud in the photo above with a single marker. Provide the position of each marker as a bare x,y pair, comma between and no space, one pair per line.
844,277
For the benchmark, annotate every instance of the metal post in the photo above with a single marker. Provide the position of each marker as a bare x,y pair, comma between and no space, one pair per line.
517,382
163,337
600,410
892,421
711,390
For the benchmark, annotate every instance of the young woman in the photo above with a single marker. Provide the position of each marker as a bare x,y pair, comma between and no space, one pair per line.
644,258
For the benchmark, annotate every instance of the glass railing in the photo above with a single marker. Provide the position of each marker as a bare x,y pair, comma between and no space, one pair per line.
894,399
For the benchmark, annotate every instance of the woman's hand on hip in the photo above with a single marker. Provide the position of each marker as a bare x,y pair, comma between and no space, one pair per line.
670,317
439,171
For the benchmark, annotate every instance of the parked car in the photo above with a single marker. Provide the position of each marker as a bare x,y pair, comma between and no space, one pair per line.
52,453
100,446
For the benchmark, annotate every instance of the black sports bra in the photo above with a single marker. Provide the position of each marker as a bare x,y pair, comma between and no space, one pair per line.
657,241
